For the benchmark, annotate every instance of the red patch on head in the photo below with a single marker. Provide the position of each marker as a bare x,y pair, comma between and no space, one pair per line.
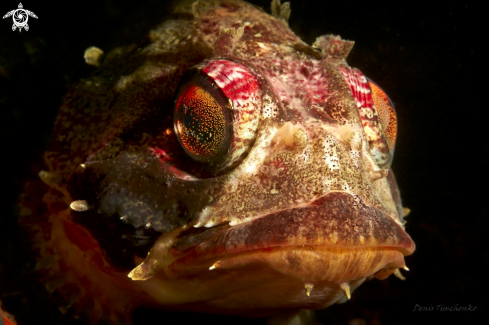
236,82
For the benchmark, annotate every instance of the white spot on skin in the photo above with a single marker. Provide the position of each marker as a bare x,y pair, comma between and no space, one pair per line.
367,112
260,152
346,187
269,107
251,168
79,205
330,153
236,74
356,146
371,134
327,183
355,156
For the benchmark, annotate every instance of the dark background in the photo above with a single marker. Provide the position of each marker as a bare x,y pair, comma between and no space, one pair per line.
428,57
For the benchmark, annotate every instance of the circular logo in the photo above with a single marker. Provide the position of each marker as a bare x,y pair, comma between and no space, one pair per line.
20,17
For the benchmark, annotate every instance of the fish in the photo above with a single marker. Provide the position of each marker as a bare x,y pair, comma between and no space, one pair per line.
221,165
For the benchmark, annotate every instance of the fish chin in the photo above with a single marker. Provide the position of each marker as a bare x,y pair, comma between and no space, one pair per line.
261,282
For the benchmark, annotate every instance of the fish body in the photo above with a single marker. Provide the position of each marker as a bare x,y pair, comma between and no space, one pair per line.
221,165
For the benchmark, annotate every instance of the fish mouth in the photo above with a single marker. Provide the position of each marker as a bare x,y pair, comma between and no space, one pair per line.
331,243
334,223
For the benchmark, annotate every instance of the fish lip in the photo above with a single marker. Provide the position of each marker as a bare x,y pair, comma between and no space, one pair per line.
333,220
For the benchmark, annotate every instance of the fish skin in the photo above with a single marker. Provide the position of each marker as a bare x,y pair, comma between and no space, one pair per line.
307,168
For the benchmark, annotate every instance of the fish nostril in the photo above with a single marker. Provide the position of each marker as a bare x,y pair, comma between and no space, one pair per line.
292,136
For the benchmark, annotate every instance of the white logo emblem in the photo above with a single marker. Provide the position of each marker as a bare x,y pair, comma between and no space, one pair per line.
20,17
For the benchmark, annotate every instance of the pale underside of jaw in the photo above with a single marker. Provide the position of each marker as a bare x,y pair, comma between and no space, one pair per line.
260,282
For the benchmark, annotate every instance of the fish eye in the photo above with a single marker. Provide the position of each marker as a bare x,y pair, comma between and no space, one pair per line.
202,120
377,114
386,112
216,114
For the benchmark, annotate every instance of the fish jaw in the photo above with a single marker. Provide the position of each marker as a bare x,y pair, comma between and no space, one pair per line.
297,258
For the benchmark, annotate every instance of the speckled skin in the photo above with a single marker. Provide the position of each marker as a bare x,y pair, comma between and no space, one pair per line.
307,182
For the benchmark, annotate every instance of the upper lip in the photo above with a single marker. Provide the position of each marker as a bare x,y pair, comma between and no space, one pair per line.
332,220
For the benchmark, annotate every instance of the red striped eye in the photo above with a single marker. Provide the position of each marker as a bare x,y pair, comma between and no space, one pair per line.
386,112
377,114
217,112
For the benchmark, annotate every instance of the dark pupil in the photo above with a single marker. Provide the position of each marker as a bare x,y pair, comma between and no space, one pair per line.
201,123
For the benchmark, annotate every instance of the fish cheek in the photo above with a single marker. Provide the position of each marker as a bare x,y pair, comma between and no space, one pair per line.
131,201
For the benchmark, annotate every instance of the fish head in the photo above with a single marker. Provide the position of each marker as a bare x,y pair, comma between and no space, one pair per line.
223,165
